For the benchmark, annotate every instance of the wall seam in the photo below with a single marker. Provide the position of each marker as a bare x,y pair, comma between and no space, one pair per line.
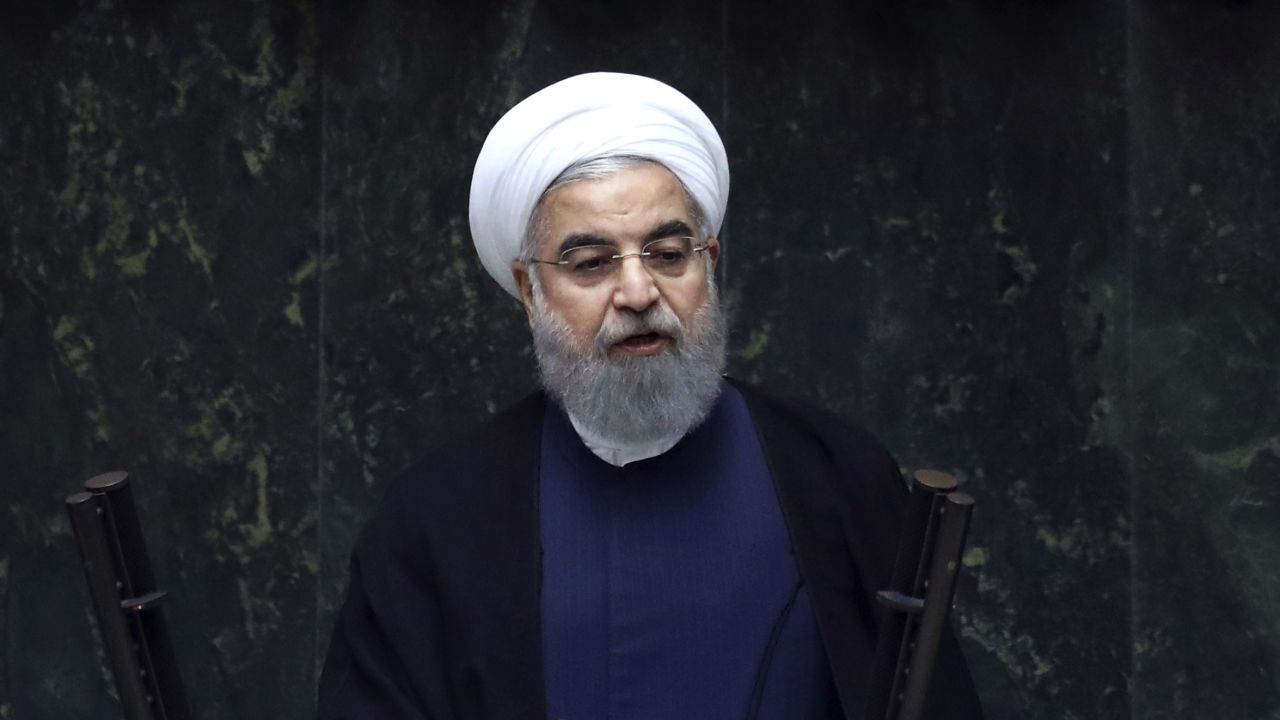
1128,424
321,361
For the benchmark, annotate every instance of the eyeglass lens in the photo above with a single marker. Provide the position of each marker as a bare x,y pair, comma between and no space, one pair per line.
668,257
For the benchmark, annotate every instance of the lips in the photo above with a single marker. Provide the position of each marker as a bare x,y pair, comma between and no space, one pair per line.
642,344
641,339
627,333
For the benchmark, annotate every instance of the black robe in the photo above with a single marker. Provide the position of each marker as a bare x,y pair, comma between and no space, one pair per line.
442,616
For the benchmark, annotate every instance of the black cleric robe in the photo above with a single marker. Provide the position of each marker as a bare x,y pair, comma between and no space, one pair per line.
442,617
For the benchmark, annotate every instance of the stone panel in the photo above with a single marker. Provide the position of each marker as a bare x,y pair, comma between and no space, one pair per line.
159,316
929,225
1205,343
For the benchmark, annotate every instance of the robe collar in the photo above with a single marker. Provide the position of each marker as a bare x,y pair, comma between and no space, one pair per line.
619,453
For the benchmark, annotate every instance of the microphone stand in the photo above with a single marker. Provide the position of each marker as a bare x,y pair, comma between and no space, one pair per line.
109,536
919,596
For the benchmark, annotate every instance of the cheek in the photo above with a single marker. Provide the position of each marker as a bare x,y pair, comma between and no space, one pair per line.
581,311
585,324
685,301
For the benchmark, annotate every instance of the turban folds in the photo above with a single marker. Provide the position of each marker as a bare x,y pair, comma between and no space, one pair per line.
580,118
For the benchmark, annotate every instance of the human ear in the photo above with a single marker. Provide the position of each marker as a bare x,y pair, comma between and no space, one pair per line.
713,250
520,273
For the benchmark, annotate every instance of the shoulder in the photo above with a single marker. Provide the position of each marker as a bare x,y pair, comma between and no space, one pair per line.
512,432
479,467
840,441
827,464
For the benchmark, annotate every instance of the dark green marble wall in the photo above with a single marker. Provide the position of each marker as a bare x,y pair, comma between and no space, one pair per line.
1204,359
1032,243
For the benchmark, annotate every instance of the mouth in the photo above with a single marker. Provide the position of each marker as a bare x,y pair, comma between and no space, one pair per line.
642,344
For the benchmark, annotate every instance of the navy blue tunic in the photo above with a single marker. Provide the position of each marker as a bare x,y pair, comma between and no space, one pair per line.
669,586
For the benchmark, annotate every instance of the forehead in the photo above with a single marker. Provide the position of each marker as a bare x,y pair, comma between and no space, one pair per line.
626,203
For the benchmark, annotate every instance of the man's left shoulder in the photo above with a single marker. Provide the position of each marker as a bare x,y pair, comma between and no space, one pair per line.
793,424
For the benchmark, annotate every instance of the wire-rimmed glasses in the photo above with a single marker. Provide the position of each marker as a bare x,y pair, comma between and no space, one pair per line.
590,264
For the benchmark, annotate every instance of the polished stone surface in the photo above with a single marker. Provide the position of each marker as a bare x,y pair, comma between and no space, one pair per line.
1205,360
949,200
161,215
1030,243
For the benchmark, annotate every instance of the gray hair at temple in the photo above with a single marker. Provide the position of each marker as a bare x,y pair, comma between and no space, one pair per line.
599,168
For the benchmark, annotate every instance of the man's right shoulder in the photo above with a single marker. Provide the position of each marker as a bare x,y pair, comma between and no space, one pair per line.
485,458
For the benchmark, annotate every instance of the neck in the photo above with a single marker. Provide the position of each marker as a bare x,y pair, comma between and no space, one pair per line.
619,453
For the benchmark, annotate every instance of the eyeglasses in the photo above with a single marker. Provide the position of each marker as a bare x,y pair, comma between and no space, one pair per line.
590,264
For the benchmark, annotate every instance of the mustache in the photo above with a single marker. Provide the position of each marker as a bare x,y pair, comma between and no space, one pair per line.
657,318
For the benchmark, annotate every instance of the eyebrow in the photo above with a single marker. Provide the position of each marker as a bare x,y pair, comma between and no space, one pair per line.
582,239
669,228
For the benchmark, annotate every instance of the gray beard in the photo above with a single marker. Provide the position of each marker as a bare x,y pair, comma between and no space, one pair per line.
634,400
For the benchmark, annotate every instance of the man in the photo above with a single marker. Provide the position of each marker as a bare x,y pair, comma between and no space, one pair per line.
643,539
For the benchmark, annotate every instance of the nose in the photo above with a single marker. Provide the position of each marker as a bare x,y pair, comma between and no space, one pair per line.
635,289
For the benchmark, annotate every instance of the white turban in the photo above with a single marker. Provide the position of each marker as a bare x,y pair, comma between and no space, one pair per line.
584,117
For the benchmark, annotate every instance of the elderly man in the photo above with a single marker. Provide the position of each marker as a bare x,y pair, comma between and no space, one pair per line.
642,539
